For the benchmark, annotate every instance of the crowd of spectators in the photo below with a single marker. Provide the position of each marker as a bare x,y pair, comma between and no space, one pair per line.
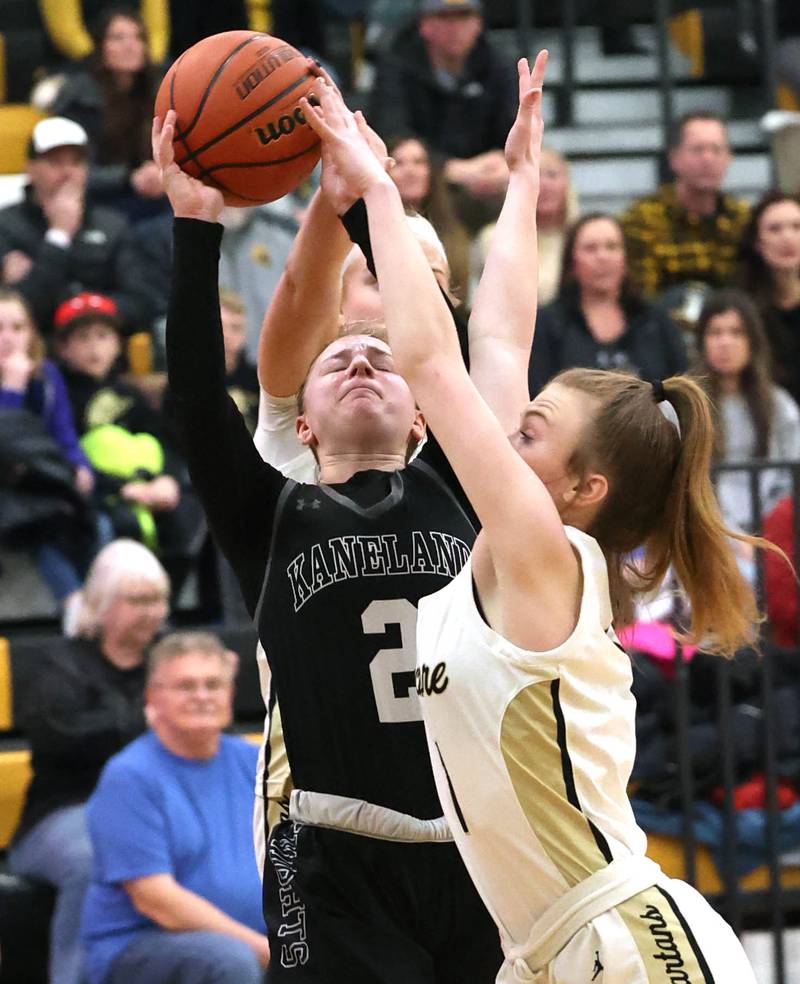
688,278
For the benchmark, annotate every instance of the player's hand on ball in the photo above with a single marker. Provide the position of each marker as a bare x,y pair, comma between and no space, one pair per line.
190,198
349,164
524,143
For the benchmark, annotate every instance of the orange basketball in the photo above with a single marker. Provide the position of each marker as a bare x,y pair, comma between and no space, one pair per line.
239,125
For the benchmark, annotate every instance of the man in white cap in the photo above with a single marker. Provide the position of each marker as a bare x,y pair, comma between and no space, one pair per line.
442,80
54,244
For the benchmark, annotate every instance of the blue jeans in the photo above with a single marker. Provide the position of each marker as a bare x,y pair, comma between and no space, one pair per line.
58,851
161,957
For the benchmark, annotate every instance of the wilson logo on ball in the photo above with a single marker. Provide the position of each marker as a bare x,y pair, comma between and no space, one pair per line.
269,60
281,127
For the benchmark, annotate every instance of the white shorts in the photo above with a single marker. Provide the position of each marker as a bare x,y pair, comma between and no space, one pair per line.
667,934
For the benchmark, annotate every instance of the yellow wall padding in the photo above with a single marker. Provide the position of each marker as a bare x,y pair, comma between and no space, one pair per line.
63,20
15,774
686,33
17,121
259,15
140,353
3,88
788,98
6,706
668,853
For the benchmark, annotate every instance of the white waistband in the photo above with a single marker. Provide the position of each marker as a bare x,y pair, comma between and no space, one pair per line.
613,885
359,817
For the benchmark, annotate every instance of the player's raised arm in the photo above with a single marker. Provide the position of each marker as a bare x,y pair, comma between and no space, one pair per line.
304,311
515,509
238,491
504,311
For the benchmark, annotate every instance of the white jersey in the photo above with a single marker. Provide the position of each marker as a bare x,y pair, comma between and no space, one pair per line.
532,752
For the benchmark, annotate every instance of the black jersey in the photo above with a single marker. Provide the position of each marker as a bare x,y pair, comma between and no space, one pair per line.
332,573
338,621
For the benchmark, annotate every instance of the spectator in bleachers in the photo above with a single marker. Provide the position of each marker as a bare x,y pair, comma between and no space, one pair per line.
142,483
556,211
755,418
66,24
30,382
422,187
688,231
771,267
241,378
254,250
54,243
598,319
112,99
84,705
175,894
443,79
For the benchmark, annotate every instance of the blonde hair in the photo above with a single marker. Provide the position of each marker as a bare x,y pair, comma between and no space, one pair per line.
116,563
36,346
660,496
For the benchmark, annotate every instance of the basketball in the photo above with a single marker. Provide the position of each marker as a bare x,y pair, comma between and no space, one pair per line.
239,125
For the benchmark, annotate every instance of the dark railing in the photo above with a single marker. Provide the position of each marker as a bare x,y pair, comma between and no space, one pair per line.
765,909
759,16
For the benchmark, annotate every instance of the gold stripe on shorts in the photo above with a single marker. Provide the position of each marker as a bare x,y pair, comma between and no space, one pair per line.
665,942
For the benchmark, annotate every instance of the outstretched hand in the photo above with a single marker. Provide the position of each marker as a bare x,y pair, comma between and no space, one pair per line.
353,156
190,198
524,143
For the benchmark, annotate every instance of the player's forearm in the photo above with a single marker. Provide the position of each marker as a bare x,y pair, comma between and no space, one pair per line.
304,311
506,296
420,326
504,313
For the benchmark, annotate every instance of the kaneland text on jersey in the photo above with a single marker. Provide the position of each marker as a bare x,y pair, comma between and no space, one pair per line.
376,555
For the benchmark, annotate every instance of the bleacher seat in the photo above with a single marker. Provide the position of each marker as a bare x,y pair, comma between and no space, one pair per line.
17,121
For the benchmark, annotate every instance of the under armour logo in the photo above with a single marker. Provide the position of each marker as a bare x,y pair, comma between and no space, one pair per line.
598,967
302,504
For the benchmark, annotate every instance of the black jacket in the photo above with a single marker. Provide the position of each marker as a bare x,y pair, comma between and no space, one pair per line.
651,345
468,120
79,709
102,257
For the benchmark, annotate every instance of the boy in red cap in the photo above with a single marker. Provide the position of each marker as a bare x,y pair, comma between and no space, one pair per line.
142,484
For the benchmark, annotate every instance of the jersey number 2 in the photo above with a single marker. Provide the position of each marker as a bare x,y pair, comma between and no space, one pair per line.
392,670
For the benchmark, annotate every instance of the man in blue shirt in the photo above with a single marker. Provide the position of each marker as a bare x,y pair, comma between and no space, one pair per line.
175,896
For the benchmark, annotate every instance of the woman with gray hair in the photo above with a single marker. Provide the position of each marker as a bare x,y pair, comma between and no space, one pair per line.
85,704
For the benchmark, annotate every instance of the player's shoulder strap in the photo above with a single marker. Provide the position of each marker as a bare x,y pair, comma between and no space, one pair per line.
436,479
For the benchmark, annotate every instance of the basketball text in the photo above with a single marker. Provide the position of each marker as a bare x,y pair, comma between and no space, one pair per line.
268,61
281,127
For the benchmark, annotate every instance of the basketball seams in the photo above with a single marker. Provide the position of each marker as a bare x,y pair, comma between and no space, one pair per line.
212,82
193,155
237,194
207,172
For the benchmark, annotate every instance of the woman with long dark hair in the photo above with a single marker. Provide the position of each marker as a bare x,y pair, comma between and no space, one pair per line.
112,98
755,419
599,320
770,254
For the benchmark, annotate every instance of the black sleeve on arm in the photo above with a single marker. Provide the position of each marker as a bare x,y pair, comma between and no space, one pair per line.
356,225
238,490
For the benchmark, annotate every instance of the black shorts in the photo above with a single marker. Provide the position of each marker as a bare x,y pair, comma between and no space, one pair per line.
347,909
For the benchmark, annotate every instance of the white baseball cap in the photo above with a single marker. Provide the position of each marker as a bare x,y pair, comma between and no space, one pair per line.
57,131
